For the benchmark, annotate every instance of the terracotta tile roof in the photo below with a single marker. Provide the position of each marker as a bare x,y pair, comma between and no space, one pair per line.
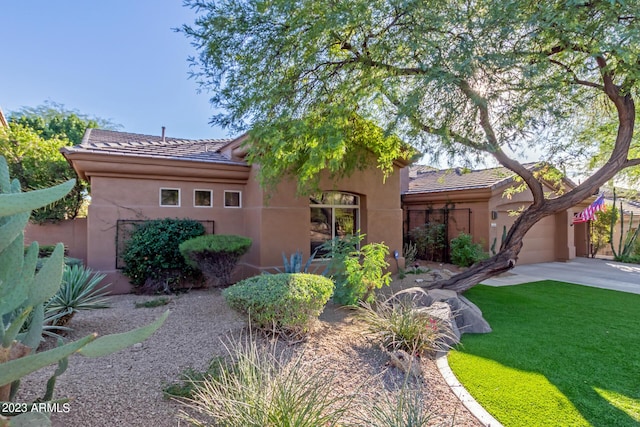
133,144
415,170
435,181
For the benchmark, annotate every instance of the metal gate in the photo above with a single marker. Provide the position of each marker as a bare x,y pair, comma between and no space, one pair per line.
455,221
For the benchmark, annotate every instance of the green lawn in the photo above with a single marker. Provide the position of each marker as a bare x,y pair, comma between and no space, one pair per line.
559,355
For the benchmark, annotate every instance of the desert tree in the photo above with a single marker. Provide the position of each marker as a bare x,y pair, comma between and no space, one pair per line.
465,79
31,145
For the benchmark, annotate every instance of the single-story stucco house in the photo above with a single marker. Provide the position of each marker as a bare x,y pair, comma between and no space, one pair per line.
138,177
475,202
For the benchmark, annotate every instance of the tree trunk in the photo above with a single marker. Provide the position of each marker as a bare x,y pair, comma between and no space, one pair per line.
541,207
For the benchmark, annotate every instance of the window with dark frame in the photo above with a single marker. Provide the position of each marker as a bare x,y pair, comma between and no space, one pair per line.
203,198
333,214
232,199
170,197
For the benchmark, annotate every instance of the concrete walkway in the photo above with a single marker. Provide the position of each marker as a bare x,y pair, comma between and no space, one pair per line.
598,273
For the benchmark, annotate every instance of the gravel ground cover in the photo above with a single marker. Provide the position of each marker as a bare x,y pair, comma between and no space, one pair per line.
125,388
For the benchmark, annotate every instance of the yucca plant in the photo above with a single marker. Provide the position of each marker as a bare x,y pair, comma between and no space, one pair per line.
80,290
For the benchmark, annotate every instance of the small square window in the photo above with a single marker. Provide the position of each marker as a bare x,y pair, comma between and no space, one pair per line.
232,199
170,197
202,198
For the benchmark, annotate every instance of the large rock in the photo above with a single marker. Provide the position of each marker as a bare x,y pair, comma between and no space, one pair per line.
468,316
442,310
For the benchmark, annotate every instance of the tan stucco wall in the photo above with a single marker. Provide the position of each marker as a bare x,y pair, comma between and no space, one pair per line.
138,199
279,220
73,233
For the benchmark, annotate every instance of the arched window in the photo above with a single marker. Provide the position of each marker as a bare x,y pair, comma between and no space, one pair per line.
333,214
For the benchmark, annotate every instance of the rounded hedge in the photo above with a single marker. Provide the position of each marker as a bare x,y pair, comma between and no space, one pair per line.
218,243
286,302
216,255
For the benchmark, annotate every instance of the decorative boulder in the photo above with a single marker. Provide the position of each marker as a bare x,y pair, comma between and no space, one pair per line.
441,310
468,316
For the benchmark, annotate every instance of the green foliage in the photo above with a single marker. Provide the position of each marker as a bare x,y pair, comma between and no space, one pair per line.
356,272
365,272
152,255
400,325
337,251
190,378
294,265
429,240
628,239
31,145
53,120
407,410
24,291
284,303
80,290
464,252
266,389
408,68
600,229
216,255
342,142
37,163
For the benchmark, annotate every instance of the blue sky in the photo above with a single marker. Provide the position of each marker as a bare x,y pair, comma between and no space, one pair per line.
116,59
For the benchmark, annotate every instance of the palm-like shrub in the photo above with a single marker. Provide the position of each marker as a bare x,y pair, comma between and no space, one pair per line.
80,290
215,255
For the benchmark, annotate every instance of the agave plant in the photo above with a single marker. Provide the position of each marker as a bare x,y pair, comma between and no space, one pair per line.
80,290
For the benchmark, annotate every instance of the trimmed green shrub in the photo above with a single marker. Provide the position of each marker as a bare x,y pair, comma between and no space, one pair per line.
216,255
464,252
152,255
286,303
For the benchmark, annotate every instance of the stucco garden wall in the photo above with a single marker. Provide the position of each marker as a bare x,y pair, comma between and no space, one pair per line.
73,233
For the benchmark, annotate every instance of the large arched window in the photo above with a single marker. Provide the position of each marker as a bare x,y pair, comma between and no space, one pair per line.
333,214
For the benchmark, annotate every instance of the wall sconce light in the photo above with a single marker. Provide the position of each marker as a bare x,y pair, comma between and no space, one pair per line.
494,214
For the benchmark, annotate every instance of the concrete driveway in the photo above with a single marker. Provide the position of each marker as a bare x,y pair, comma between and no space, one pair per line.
599,273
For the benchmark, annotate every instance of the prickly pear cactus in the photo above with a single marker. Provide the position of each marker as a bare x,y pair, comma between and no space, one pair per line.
23,291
